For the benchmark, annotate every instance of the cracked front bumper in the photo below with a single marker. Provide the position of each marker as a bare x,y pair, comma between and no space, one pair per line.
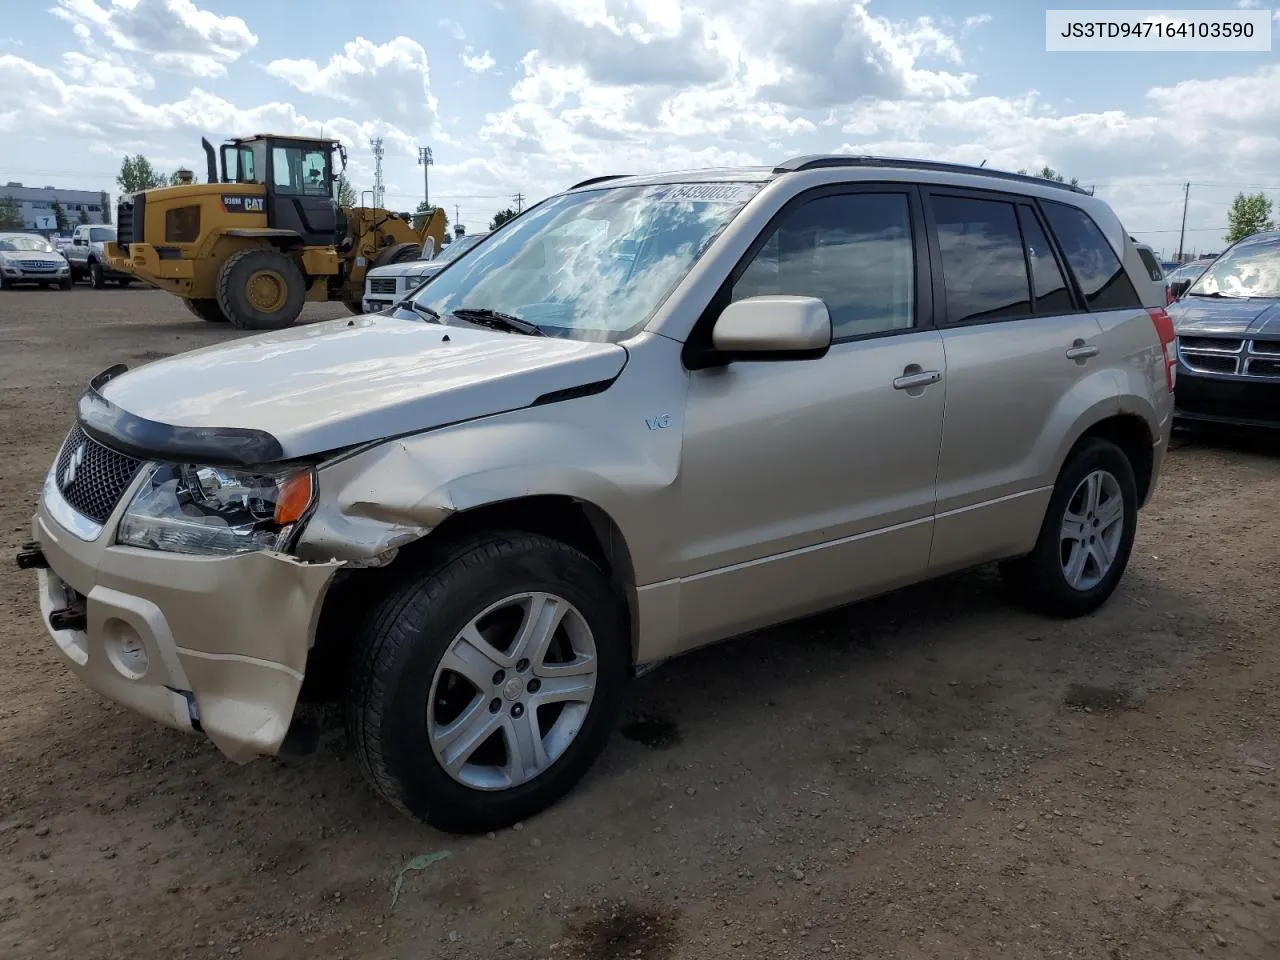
205,644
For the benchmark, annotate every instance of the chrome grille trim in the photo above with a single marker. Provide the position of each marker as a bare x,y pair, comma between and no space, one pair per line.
1231,356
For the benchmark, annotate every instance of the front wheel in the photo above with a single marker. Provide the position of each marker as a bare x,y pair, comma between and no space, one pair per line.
65,283
485,688
1086,537
261,290
96,280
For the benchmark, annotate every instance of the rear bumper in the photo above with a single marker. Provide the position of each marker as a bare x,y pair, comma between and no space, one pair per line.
1244,401
205,644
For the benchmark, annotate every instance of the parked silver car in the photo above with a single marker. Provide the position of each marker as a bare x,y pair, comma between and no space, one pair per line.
651,413
28,258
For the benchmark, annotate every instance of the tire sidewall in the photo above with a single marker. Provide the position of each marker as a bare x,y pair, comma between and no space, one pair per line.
95,276
407,751
233,279
1093,455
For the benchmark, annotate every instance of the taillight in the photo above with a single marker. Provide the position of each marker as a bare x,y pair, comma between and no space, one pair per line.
1168,340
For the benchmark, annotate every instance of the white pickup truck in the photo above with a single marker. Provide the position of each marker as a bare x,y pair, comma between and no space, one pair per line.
86,257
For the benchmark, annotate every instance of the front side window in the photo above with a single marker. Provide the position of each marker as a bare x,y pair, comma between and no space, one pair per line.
1097,269
299,171
1248,270
852,251
251,163
983,268
591,265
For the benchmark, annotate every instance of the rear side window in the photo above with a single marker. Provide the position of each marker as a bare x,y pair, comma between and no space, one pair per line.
1152,265
983,268
1095,265
1047,282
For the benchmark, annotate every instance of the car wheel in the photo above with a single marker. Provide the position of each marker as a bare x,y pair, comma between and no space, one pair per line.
485,687
65,283
1086,537
124,282
96,280
44,284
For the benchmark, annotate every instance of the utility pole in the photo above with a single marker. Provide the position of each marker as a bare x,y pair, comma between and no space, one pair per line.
379,191
519,199
425,159
1186,194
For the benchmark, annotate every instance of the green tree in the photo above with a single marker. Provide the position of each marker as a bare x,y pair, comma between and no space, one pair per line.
82,217
501,217
1048,173
346,193
137,174
10,214
59,217
104,201
1249,214
425,211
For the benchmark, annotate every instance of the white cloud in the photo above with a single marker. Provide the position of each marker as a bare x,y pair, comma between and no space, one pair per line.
1248,4
454,29
477,64
105,71
391,80
174,34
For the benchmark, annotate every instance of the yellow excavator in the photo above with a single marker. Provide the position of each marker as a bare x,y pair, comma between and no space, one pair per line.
265,235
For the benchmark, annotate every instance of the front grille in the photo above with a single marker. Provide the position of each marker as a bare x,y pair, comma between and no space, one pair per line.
38,266
100,477
382,285
1231,356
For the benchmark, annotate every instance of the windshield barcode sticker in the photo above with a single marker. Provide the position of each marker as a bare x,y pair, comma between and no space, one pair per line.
709,193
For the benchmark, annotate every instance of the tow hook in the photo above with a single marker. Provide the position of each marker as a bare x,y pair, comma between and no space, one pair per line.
68,619
31,557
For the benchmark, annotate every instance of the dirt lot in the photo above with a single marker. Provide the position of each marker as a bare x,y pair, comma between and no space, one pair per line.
934,774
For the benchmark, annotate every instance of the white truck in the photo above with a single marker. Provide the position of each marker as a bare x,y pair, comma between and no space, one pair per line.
86,256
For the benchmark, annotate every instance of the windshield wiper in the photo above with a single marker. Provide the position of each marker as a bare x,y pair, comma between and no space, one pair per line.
408,303
484,317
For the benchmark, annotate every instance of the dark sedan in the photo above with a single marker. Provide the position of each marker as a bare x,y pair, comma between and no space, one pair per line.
1228,326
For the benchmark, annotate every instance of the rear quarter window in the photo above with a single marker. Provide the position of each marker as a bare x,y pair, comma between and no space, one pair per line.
1098,271
1152,265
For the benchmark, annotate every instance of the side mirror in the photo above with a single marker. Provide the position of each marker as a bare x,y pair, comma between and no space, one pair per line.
773,328
1179,288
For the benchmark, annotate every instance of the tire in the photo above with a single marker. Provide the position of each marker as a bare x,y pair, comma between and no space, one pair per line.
280,298
397,670
65,283
124,282
207,310
96,279
353,306
1040,579
396,253
44,284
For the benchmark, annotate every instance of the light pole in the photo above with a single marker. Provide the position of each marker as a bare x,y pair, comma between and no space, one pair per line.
425,160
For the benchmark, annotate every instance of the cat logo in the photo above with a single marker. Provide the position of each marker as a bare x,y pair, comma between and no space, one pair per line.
238,203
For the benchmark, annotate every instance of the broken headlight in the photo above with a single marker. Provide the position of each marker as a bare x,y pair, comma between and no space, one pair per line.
184,508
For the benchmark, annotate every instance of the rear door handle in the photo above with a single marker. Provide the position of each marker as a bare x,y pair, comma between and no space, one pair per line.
1082,351
912,380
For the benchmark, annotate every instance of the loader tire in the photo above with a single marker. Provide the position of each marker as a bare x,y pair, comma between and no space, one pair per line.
207,310
396,253
261,290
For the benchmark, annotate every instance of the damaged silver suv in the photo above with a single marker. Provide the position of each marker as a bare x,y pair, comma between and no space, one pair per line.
647,414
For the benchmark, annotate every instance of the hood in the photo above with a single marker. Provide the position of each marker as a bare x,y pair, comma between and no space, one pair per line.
344,382
43,256
1205,316
406,268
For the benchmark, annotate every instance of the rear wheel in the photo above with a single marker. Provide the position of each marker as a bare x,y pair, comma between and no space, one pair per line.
261,290
484,689
207,310
1086,537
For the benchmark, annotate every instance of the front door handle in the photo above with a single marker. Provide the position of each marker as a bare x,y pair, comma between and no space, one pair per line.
910,381
1082,351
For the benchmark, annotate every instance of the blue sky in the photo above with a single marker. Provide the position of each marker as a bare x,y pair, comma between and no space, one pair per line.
529,95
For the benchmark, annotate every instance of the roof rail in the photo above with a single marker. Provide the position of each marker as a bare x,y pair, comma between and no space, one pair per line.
590,180
820,161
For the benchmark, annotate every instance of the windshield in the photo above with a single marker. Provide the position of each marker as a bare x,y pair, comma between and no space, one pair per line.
591,265
1249,270
101,234
15,244
459,246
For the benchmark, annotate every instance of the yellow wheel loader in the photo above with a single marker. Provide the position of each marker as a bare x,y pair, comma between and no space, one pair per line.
265,235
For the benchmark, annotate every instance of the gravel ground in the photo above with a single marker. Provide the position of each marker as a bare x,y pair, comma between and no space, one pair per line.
932,774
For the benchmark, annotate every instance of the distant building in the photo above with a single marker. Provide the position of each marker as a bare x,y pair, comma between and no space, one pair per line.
36,204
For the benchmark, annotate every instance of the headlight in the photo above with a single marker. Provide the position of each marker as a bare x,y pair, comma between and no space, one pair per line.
210,510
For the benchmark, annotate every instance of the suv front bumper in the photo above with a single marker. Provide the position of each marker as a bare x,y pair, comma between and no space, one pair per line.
1243,401
205,644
